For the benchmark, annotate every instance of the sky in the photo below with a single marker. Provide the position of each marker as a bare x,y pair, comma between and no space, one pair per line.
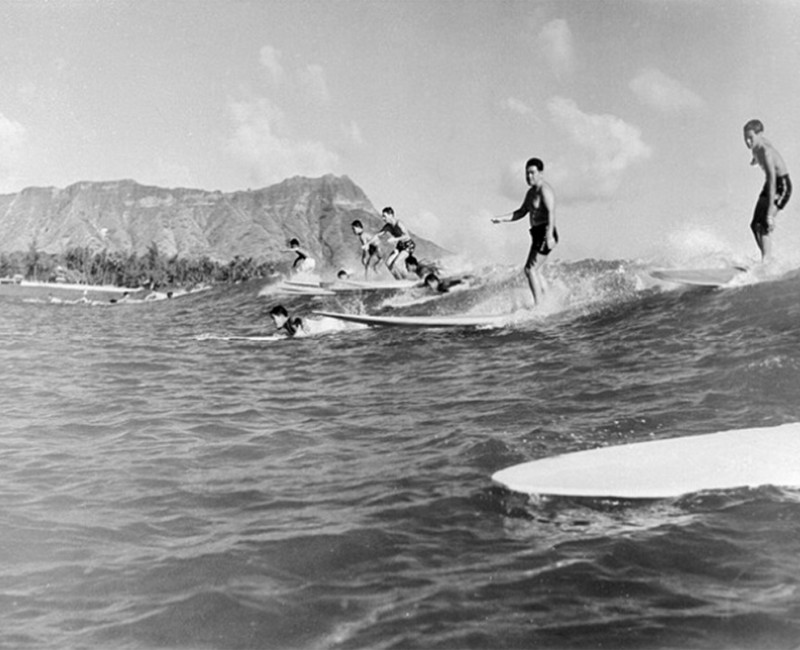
430,106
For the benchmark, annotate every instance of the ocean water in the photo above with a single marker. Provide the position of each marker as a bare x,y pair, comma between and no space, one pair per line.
161,488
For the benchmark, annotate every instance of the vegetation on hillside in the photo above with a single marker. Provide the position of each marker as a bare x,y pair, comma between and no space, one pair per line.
85,266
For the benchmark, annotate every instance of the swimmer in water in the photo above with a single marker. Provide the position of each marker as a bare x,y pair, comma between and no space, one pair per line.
290,326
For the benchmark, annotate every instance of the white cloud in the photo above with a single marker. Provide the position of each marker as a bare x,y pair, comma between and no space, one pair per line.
517,106
262,143
555,43
353,134
655,89
13,136
603,148
427,224
269,57
312,79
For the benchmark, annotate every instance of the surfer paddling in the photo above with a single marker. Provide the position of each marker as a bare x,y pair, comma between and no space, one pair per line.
777,185
419,268
283,323
443,285
540,203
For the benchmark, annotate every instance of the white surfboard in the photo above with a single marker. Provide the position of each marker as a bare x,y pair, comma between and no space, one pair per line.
291,289
699,277
666,468
343,286
387,285
416,321
308,284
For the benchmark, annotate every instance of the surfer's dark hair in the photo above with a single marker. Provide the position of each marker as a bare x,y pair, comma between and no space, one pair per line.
294,242
756,126
431,277
411,260
535,162
388,209
357,224
279,310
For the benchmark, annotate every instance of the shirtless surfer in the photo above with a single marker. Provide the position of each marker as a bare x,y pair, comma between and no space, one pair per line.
443,285
289,326
400,237
540,203
777,186
303,263
369,248
419,268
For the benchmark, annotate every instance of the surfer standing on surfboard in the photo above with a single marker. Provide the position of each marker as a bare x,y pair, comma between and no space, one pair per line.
303,263
540,203
369,248
400,237
777,185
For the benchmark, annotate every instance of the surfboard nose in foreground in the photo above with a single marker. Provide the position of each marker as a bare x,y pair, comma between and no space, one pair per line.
666,468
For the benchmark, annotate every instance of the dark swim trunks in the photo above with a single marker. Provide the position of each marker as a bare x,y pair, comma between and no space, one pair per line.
539,239
783,192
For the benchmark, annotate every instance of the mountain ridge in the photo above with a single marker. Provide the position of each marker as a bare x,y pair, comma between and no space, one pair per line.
126,216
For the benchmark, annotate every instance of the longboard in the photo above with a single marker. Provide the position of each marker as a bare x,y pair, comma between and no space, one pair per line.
666,468
287,288
699,277
342,286
292,291
388,285
309,284
416,321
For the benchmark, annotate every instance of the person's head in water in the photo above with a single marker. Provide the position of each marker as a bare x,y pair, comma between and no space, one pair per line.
433,282
279,315
294,243
412,264
357,227
343,274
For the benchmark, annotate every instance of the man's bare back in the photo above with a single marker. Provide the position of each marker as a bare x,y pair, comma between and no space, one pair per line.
777,185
